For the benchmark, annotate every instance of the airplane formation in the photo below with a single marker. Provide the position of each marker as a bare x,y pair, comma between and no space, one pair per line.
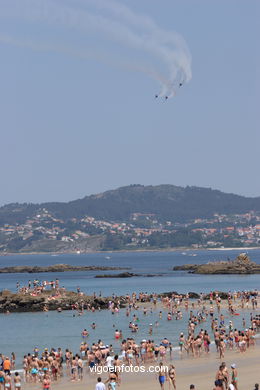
166,97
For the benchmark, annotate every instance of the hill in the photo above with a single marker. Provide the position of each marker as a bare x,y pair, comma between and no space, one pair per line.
166,202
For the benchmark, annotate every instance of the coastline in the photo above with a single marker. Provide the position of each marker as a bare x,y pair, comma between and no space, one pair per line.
179,249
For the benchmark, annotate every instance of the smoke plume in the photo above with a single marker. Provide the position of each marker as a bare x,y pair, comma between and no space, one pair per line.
162,55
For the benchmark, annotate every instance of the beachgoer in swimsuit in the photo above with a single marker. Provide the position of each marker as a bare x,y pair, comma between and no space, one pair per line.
17,381
8,383
7,366
234,376
112,381
161,376
46,383
172,376
2,379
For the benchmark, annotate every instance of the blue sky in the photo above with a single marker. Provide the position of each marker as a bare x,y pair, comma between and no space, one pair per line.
72,125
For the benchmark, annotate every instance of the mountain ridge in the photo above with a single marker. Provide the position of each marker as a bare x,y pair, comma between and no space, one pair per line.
166,202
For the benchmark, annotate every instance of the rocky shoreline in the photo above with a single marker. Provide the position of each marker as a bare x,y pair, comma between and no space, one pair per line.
68,300
47,301
242,265
57,268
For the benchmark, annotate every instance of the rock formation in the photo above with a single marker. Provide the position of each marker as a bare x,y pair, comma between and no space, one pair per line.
56,268
241,265
47,300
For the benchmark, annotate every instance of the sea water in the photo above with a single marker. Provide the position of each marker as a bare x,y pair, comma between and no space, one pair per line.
21,332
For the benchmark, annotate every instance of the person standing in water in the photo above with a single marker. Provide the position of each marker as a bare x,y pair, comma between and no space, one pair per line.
17,381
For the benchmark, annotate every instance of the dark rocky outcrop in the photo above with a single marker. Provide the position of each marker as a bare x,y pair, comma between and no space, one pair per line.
121,275
126,275
192,295
186,267
56,268
241,265
10,302
67,300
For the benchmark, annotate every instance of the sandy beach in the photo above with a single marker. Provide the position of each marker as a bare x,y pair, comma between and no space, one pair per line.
198,371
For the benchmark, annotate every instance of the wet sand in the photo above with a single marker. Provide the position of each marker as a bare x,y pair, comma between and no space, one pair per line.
199,371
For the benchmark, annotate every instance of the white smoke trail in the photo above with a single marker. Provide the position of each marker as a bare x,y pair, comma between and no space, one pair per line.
176,55
84,54
117,23
160,36
36,46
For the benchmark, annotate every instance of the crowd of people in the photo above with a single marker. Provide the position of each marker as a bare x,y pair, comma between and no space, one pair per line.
36,287
48,366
